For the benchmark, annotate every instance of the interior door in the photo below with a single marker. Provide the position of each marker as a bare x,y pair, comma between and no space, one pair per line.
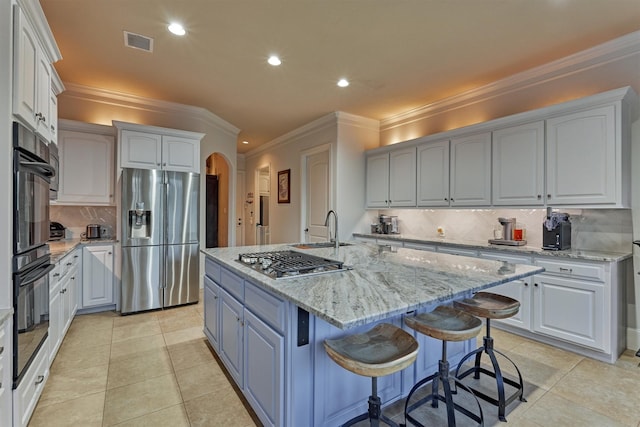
240,195
317,191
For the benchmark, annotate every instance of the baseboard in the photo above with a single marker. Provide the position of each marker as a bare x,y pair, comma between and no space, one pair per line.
633,339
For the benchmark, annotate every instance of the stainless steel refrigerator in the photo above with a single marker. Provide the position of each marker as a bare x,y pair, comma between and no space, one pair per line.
159,235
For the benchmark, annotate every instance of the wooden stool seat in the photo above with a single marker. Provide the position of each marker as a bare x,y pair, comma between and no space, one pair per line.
446,324
489,306
383,350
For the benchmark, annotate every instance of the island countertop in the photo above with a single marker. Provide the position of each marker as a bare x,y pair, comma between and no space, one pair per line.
381,283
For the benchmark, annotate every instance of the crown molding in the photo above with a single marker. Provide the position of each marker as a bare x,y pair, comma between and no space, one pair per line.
357,121
120,99
611,51
76,126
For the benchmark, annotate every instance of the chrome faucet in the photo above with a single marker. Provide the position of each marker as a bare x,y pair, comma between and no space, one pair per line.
326,224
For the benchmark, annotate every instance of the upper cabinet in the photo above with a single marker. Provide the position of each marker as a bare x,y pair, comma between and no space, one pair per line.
518,165
433,174
471,170
582,167
34,53
86,164
150,147
391,179
575,154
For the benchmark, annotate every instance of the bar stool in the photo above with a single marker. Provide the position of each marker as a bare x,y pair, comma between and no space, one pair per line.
383,350
491,306
446,324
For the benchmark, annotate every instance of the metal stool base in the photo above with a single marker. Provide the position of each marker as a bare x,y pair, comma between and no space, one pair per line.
502,401
442,377
374,414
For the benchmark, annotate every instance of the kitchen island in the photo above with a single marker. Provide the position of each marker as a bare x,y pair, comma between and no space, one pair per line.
269,333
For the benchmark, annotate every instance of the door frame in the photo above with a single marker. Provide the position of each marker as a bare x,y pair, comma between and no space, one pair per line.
303,182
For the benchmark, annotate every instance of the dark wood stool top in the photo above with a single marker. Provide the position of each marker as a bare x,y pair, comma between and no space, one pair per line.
445,323
489,306
381,351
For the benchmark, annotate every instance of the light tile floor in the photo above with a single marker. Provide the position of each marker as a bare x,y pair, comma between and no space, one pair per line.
156,369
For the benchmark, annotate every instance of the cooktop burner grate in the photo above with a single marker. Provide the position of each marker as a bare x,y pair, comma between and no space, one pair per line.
287,264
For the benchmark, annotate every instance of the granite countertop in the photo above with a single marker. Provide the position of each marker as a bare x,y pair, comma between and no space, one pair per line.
5,313
382,283
573,253
60,248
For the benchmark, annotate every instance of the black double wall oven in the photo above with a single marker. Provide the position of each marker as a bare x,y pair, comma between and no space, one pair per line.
31,262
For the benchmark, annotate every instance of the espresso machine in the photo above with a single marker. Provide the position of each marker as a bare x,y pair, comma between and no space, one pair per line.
556,231
388,224
511,235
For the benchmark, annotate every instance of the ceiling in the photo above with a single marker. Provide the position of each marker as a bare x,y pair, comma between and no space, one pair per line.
398,55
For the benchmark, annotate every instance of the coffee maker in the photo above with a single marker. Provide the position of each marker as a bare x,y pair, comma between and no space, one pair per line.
388,224
556,231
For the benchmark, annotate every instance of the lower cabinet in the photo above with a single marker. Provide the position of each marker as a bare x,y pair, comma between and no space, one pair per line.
97,276
63,302
5,371
231,343
211,311
26,395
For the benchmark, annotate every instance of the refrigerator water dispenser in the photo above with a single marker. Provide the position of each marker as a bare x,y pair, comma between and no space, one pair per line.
140,224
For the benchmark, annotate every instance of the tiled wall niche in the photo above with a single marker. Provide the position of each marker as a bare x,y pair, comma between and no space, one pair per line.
591,229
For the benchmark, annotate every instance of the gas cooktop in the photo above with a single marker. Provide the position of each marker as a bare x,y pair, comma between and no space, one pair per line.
290,264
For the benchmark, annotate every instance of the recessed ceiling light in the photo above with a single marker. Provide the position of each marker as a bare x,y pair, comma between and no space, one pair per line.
274,60
245,142
343,82
177,29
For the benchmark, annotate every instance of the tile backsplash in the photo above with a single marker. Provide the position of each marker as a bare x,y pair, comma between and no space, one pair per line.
595,229
76,218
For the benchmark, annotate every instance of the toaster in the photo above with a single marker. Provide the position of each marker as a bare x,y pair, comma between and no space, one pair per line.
56,231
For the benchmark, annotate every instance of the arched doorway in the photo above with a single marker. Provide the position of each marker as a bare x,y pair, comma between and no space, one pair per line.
217,201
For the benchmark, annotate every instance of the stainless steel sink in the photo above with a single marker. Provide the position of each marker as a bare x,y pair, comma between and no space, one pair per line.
316,245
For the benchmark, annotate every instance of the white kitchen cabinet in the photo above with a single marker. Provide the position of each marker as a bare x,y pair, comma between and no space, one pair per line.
212,311
391,179
149,147
471,170
26,395
86,164
5,370
518,165
581,158
56,88
97,275
63,281
231,330
31,77
433,174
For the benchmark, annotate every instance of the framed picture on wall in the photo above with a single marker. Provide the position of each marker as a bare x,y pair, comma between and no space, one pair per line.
284,190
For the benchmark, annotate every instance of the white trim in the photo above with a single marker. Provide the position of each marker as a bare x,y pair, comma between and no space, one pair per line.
155,129
596,56
73,125
633,339
109,97
334,118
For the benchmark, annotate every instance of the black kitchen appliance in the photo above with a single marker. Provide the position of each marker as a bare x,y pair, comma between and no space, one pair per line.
56,231
556,232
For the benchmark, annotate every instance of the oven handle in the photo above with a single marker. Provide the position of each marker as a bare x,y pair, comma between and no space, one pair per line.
41,168
36,274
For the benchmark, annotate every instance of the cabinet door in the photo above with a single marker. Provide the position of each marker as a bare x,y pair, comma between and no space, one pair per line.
43,78
231,343
211,311
518,165
264,370
571,310
5,371
471,170
378,181
86,168
581,158
519,290
433,174
26,52
53,112
140,150
180,154
97,275
55,322
69,299
402,177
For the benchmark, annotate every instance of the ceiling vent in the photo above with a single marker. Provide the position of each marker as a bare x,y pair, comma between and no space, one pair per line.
137,41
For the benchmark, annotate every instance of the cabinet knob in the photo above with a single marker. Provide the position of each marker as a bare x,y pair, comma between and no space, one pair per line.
75,256
108,253
53,129
446,199
526,284
56,274
69,263
237,319
215,297
62,291
73,277
566,270
539,196
535,284
1,349
452,199
40,379
548,196
164,164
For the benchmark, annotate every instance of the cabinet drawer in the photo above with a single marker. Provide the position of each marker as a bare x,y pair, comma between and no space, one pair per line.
572,269
232,283
513,259
267,307
458,251
26,395
212,269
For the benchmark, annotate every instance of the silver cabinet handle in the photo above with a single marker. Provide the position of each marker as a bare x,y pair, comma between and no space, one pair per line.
568,270
56,274
40,379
